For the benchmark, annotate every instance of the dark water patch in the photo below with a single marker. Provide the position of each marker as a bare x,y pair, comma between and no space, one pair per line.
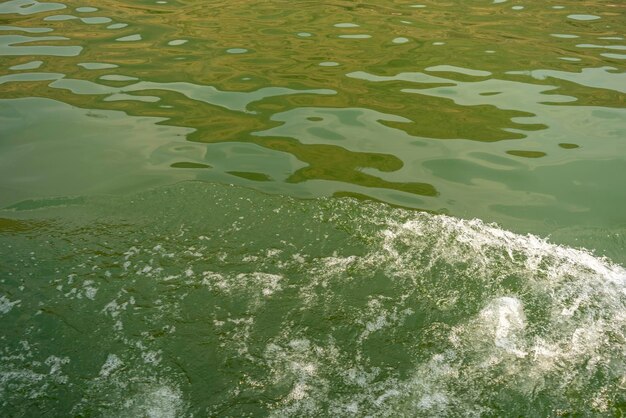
189,165
250,175
526,154
566,145
35,204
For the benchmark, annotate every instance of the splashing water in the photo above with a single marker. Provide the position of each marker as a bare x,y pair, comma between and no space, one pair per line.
292,308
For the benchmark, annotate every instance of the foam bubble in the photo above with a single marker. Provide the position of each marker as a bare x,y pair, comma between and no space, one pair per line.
111,364
6,304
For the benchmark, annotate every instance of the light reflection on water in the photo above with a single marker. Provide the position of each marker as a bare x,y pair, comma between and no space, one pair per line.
392,81
456,107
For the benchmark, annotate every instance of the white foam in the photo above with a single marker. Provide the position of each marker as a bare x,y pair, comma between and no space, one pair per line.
267,283
111,364
6,304
155,402
506,320
497,347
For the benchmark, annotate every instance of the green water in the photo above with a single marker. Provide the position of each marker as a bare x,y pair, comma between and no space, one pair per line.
287,208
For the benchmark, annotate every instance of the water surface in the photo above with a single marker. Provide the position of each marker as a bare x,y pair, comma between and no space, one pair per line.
284,208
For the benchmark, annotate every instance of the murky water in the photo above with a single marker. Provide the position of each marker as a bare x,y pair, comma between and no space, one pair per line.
284,208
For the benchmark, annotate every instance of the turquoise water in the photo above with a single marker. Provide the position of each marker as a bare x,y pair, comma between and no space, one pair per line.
312,209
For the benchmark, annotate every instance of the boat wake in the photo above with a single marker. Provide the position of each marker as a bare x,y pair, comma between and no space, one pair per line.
212,300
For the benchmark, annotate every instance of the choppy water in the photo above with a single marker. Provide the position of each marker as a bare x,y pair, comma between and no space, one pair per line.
284,208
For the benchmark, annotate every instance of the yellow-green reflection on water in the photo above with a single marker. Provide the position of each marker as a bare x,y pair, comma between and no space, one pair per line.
308,99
